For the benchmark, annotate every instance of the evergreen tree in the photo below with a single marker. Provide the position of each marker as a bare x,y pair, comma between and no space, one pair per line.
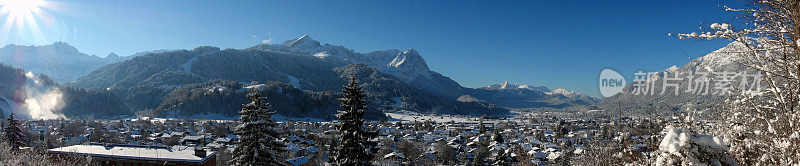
332,152
354,146
567,152
501,158
14,134
257,136
497,137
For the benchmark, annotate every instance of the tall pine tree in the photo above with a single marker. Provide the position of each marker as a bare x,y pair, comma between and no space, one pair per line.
257,135
354,146
501,158
14,135
497,137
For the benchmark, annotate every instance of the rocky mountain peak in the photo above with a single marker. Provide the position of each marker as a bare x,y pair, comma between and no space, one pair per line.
409,59
303,41
112,55
506,85
564,92
61,46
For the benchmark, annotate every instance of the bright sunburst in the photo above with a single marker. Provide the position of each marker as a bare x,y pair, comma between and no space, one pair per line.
20,12
21,19
21,6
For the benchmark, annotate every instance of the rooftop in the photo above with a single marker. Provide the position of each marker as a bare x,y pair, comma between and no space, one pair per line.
160,153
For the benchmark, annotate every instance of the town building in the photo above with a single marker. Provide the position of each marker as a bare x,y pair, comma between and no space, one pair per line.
116,154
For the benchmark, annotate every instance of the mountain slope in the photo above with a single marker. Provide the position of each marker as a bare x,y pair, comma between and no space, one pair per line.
142,81
226,97
383,92
390,93
721,60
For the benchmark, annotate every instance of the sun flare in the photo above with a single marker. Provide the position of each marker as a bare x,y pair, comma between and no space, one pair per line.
20,10
21,6
21,17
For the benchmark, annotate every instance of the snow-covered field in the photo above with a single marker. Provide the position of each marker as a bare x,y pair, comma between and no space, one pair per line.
281,118
187,67
436,118
218,118
294,81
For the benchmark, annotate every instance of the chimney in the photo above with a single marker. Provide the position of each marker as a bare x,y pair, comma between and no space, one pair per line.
200,152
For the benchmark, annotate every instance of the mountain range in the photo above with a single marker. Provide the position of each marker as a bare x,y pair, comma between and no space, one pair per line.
407,66
526,96
301,78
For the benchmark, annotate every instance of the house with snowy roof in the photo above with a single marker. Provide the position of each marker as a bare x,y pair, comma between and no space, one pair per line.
118,154
194,140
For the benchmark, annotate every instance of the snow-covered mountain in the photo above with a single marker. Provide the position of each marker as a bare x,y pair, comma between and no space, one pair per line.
408,65
208,80
543,89
690,96
61,61
527,96
564,92
302,74
506,85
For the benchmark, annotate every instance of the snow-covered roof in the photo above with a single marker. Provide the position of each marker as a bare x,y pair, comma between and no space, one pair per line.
175,154
394,154
214,145
193,138
553,155
226,140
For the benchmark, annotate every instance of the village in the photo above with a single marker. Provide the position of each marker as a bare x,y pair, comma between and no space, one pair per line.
522,140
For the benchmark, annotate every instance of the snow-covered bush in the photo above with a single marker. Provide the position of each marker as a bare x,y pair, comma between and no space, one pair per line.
681,146
32,157
762,126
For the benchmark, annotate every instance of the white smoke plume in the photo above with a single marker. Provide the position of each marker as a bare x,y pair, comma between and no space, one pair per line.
44,106
42,101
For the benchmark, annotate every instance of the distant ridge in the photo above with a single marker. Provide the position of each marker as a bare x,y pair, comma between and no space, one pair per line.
525,96
59,60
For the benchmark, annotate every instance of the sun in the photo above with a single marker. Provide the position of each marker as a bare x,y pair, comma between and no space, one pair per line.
21,6
22,18
21,11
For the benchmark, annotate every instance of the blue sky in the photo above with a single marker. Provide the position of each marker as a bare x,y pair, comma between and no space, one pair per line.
558,44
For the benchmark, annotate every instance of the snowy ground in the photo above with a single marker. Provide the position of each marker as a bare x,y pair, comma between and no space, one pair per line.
219,118
281,118
214,117
294,81
410,117
436,118
406,116
187,67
